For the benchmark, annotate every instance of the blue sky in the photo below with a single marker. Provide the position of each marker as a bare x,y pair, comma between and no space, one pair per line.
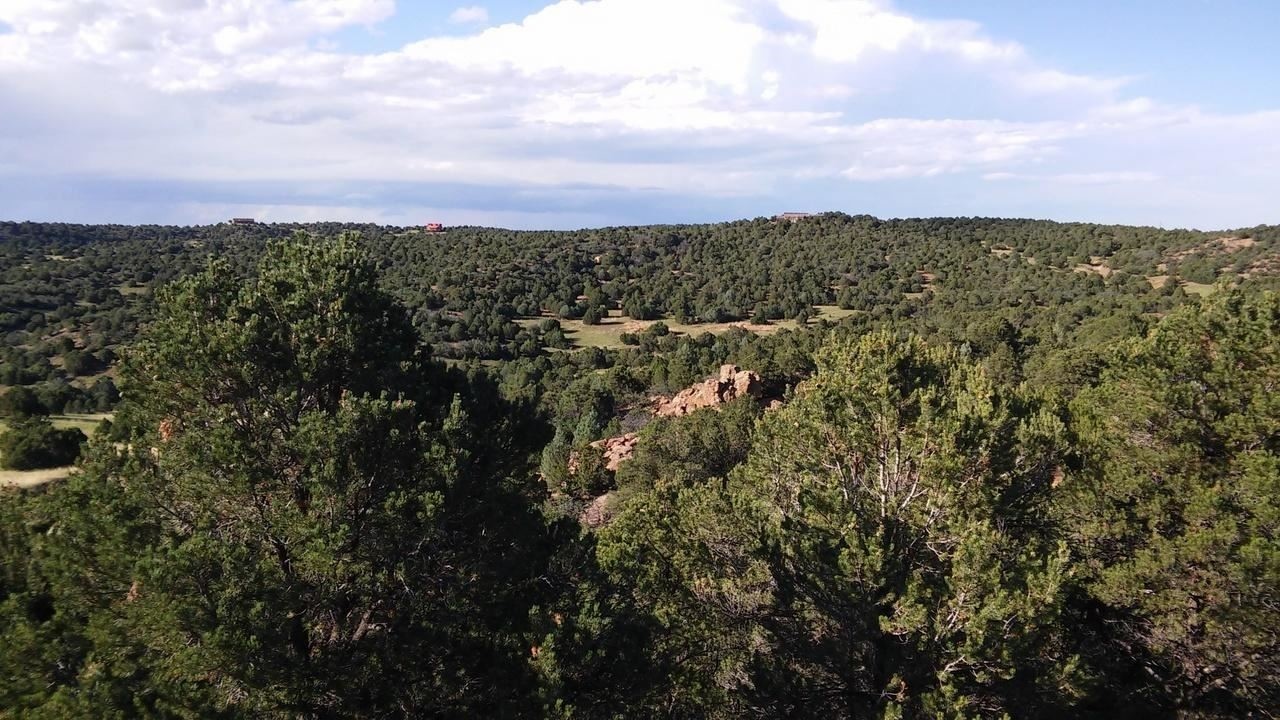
604,112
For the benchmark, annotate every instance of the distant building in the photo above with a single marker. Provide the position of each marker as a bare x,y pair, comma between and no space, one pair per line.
243,221
435,227
792,216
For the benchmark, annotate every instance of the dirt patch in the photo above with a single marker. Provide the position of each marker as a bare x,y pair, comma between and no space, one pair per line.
1217,246
1095,268
1234,244
1269,265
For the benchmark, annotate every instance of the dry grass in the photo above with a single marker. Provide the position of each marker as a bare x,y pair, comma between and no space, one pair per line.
32,478
87,422
1191,288
608,334
1194,288
1217,247
1094,267
1233,244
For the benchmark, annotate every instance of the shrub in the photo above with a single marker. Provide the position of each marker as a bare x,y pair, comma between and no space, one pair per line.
21,402
35,444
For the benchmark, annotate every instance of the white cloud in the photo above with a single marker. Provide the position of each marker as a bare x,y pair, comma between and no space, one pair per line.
847,30
716,98
470,15
1083,178
712,40
115,31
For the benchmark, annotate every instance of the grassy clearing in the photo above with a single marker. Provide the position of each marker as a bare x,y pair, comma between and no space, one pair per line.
1095,268
1195,288
1191,288
87,422
608,334
32,478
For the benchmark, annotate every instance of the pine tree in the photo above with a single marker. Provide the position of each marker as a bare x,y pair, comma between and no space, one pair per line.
883,551
305,521
1177,511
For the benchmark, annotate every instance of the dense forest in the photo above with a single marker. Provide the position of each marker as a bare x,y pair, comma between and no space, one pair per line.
970,468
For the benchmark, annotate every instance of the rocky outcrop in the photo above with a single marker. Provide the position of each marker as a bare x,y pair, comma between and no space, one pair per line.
597,512
729,385
617,450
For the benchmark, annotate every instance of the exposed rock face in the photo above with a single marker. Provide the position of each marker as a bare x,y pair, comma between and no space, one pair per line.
597,513
617,449
731,384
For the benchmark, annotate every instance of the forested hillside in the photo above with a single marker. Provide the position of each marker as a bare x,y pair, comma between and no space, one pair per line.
969,468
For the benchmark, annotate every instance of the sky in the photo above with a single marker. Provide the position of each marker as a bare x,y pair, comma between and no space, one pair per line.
584,113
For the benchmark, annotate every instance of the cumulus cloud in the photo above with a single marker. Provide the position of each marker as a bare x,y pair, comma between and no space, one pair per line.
469,15
719,100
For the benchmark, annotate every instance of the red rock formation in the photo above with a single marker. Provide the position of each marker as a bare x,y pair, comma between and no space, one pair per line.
731,384
617,450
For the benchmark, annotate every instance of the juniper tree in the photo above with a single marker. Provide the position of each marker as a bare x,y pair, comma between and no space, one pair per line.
881,553
1176,515
305,519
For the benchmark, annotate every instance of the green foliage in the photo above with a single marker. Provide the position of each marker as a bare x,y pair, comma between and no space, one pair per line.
34,443
902,497
555,461
301,523
79,362
590,477
691,450
1176,514
882,551
985,495
21,402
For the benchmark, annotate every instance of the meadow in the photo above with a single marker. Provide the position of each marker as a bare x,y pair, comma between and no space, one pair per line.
608,334
87,422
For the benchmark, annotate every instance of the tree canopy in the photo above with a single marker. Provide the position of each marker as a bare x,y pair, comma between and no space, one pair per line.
971,468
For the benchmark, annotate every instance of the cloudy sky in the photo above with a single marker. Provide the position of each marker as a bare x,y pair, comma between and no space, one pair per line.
579,113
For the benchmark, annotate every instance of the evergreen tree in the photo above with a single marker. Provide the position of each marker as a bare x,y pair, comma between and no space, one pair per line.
882,552
305,521
1177,512
33,443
